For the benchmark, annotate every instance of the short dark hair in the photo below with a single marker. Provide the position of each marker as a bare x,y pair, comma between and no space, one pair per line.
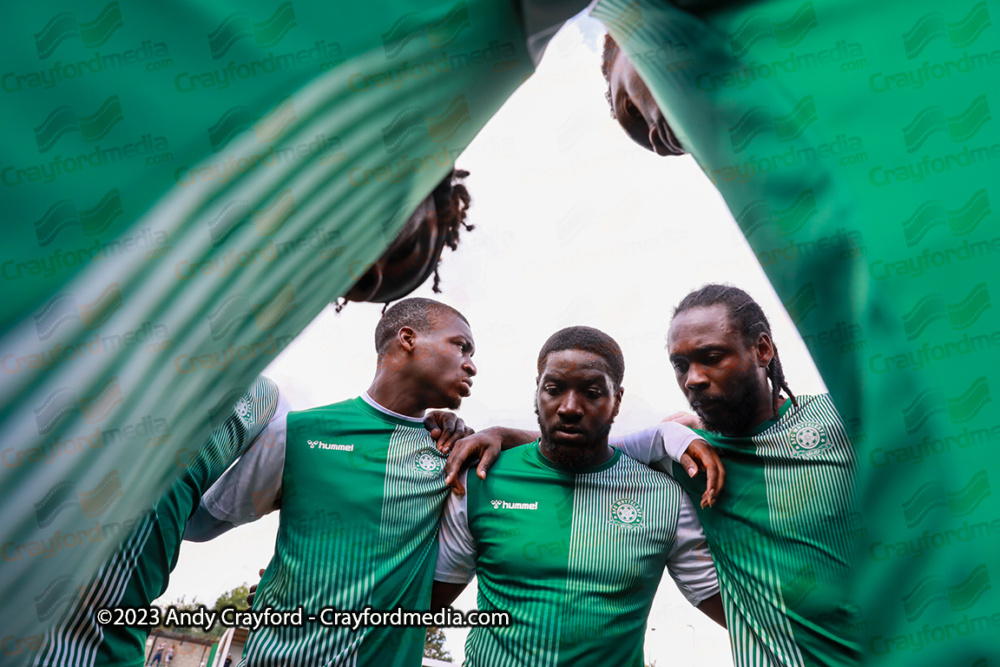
418,313
749,319
590,340
611,50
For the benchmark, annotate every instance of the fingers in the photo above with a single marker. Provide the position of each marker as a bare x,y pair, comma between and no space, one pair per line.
487,460
707,459
688,464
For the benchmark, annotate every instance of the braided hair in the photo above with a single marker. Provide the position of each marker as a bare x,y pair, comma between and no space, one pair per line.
611,50
750,320
451,200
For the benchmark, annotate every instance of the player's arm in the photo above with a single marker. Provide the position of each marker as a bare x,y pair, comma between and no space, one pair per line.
712,607
250,489
456,562
691,567
486,446
672,441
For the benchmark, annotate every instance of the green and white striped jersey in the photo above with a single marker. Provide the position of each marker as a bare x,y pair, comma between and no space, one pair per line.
781,535
574,555
139,571
361,494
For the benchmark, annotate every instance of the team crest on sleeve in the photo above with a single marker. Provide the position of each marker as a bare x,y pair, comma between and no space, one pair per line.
243,411
626,512
809,438
428,464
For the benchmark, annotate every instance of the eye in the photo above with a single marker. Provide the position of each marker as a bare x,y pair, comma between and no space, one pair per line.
680,366
629,108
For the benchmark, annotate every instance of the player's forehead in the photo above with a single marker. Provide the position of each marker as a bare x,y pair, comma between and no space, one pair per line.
447,324
575,366
702,327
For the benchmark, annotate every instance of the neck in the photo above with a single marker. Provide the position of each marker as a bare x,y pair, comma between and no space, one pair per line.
398,393
574,456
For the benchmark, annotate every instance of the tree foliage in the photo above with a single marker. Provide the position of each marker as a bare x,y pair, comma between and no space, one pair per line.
434,645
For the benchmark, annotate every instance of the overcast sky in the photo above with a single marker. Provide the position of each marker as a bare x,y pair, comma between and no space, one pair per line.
574,225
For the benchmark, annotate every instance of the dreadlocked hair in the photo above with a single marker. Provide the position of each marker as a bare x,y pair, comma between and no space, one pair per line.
452,200
611,51
751,321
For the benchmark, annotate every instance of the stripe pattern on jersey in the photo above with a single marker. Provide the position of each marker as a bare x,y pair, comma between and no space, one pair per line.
78,640
377,550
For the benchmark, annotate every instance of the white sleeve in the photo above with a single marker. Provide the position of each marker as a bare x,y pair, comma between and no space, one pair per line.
667,440
251,488
690,562
456,563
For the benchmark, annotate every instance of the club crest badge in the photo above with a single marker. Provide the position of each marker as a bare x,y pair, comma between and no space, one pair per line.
428,464
626,512
809,438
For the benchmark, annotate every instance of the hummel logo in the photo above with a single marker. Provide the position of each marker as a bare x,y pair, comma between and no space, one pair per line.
313,444
503,504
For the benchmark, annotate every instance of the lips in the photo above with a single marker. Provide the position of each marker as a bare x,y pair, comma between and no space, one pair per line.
467,384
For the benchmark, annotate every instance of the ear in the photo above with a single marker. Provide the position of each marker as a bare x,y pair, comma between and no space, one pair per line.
618,401
764,349
407,338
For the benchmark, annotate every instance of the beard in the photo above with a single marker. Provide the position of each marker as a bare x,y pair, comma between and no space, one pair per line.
739,408
571,454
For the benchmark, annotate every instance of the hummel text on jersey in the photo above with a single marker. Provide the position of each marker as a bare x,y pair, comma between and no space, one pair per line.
504,505
313,444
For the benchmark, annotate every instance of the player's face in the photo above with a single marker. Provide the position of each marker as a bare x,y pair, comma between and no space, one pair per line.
406,263
722,377
637,111
576,400
444,358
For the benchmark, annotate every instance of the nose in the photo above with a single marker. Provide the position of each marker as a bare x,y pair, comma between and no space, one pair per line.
696,380
571,407
469,367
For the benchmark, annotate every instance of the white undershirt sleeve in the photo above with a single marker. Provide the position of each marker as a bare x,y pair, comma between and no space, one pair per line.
251,488
456,563
690,562
661,444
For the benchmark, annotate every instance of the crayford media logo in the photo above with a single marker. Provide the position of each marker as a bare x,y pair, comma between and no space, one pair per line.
65,308
65,120
239,26
932,590
91,503
960,221
267,128
67,25
795,590
504,505
933,120
64,402
266,220
786,32
960,409
960,315
623,26
428,463
238,308
786,221
415,120
626,512
933,496
58,592
933,26
65,214
439,33
802,303
760,120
